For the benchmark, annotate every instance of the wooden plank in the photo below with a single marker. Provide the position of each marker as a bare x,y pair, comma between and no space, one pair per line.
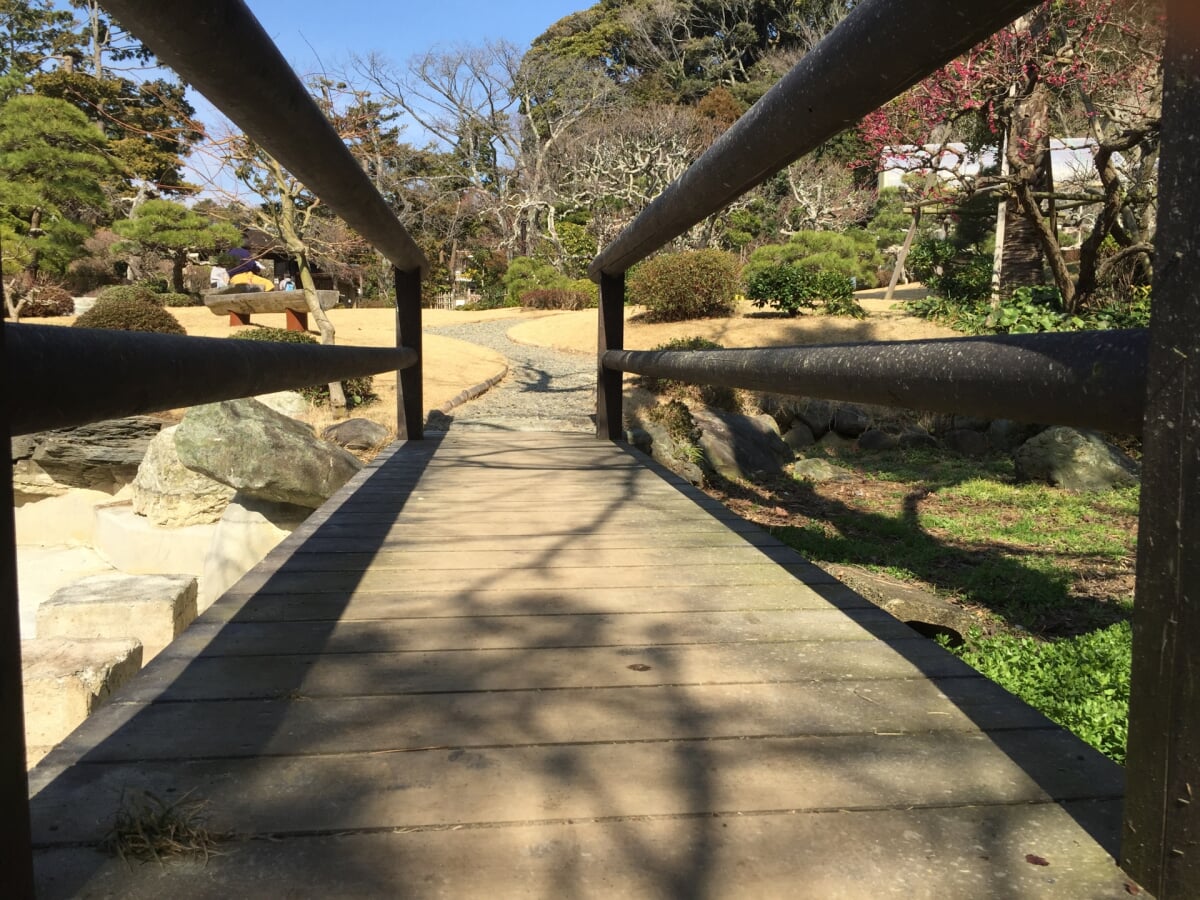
914,854
472,631
560,557
645,578
372,674
450,543
249,607
243,728
323,794
378,523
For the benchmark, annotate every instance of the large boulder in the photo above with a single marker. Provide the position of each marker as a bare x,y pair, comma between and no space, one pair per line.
103,456
263,454
740,446
168,493
1075,460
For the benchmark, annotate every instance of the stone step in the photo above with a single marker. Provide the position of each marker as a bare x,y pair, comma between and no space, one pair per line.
65,681
154,609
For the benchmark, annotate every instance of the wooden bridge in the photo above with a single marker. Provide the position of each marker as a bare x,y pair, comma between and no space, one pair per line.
538,665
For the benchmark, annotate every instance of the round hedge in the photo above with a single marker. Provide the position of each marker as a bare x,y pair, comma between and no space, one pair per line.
140,292
357,390
178,300
123,313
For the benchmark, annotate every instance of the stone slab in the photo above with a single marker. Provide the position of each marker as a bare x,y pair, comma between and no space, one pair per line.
251,302
154,609
65,681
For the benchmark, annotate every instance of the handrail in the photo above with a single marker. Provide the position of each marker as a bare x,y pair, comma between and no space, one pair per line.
89,375
1093,379
878,50
225,54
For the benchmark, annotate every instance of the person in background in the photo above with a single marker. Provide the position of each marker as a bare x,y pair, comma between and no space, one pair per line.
246,272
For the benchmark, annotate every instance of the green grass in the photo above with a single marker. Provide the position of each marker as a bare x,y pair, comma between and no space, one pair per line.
1049,572
1082,683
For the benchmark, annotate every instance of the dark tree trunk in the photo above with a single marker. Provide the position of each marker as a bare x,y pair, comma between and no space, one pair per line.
1022,261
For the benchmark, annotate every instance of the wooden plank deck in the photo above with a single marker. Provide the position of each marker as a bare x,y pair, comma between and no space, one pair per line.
531,665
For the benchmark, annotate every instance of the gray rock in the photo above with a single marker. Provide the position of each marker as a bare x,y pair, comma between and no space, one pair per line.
740,446
970,423
799,436
288,403
168,493
639,438
876,439
967,442
356,434
1075,460
23,446
781,407
663,449
1006,435
819,470
103,456
915,437
833,441
816,414
261,453
850,421
940,423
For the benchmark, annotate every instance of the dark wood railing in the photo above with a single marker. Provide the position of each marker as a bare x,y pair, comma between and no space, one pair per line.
1132,382
882,48
55,377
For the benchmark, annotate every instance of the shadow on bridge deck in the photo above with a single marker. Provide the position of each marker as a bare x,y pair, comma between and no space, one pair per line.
537,665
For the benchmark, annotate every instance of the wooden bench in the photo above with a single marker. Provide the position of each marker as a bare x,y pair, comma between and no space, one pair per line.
241,306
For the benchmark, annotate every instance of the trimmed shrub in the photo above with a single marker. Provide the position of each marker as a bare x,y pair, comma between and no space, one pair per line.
557,298
358,391
179,300
697,284
960,275
790,288
126,313
853,254
140,291
528,274
709,394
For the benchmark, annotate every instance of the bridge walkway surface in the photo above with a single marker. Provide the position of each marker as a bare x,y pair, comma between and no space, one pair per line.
535,664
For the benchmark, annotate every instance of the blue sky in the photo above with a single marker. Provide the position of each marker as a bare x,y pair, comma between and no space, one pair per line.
336,28
320,35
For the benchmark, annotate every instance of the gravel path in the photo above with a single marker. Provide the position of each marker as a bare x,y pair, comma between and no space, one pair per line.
544,390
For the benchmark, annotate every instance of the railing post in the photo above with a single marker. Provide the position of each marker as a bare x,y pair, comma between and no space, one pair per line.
1161,842
609,414
16,857
410,400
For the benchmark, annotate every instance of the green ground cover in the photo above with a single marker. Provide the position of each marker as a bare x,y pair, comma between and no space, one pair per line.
1046,573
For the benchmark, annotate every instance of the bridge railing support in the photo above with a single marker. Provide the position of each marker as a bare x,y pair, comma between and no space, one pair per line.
410,398
1161,842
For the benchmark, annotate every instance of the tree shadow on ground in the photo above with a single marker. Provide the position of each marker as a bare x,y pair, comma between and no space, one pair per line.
1021,585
